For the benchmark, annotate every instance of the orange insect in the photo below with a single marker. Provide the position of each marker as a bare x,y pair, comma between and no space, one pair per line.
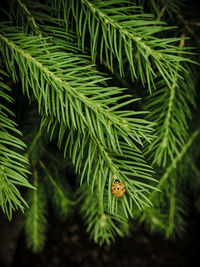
118,189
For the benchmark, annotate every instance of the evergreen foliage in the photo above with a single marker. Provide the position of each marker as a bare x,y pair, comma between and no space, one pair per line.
12,168
71,62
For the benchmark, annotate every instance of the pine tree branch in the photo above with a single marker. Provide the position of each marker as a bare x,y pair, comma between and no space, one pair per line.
169,210
171,118
178,158
35,212
13,172
168,115
35,220
102,225
68,95
30,17
125,35
137,195
91,158
32,21
34,143
196,171
172,209
61,199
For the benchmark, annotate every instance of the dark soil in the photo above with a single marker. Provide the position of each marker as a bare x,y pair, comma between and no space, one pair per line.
69,245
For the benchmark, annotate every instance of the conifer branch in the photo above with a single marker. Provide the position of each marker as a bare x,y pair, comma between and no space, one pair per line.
35,220
61,199
30,17
33,22
35,213
12,163
168,116
102,225
170,168
171,119
172,209
66,94
119,29
108,126
166,145
34,143
128,166
196,171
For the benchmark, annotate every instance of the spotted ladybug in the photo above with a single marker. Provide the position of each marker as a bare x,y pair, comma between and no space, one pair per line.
118,189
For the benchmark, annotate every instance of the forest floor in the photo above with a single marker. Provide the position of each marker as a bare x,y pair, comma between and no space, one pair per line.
68,245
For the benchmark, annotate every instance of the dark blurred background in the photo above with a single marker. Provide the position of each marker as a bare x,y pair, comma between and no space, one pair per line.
68,244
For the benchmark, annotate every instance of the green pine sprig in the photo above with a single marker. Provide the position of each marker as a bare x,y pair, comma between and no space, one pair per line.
13,172
121,33
35,219
170,109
